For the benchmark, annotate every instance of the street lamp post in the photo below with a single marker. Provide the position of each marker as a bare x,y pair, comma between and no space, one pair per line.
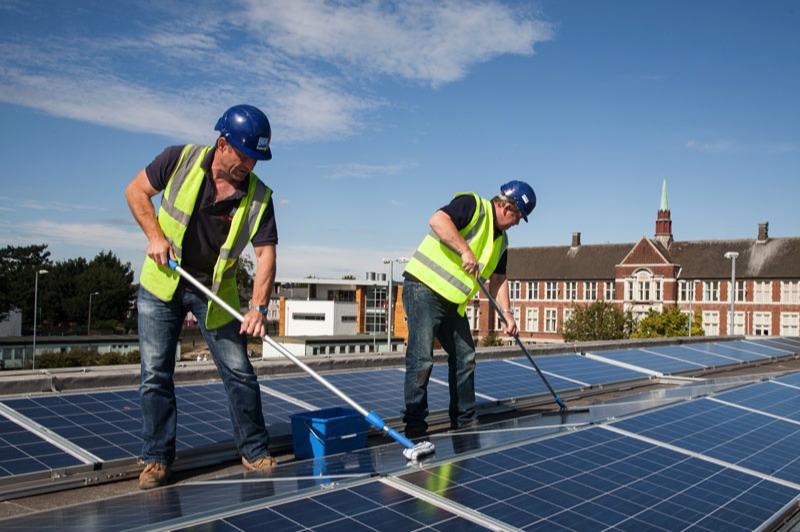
35,305
389,313
89,323
731,255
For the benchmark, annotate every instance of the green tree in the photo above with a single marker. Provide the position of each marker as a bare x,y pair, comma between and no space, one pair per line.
491,340
18,266
244,278
598,321
668,323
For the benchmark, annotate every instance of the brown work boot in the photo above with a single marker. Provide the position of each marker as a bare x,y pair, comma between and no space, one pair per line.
153,476
265,464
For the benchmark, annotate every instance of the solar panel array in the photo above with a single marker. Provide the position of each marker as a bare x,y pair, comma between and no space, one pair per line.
727,462
108,424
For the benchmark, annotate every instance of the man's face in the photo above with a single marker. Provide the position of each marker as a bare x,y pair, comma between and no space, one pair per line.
507,216
233,162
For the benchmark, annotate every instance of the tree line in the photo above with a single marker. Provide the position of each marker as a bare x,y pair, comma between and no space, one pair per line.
64,291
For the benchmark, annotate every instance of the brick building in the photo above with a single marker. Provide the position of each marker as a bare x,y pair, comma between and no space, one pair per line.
547,283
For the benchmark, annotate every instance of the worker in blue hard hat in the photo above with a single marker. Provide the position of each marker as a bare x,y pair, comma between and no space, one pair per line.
466,246
212,207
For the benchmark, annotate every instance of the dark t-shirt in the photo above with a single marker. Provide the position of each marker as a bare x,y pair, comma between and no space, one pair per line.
461,210
211,219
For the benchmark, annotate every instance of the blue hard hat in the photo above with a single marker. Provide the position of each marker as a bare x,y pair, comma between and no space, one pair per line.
248,130
522,194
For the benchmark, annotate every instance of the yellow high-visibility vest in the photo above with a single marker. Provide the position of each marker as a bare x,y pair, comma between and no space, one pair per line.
438,266
177,205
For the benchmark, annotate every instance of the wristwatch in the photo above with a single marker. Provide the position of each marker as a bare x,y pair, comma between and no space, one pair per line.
262,309
508,311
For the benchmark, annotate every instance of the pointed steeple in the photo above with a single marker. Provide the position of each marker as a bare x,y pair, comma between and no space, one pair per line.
663,221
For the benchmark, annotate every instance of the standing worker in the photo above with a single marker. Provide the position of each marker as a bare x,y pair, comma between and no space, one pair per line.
467,245
212,206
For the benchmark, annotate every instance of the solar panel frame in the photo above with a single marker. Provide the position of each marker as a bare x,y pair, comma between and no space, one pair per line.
680,352
725,348
768,397
650,361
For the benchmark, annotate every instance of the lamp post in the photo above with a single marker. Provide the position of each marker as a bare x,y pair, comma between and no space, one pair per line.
89,324
731,255
35,305
390,262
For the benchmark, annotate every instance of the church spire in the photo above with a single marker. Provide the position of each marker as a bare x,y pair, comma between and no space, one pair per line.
663,221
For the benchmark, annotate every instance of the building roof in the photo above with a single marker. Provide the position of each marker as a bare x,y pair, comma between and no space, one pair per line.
592,262
71,339
337,338
775,258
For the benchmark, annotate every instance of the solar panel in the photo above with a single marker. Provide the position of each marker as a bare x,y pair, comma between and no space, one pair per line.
651,361
767,397
378,390
777,343
500,380
790,341
583,369
792,378
740,437
759,347
696,355
595,479
23,452
108,424
371,506
737,352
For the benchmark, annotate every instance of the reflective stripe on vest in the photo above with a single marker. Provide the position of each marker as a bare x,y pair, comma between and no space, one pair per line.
177,205
438,265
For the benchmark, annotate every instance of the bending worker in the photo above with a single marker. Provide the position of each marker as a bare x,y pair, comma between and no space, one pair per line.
212,206
467,245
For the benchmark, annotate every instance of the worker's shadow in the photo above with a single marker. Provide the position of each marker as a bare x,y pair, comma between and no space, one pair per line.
463,443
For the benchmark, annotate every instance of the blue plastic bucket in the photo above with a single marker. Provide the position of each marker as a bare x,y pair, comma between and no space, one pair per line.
328,431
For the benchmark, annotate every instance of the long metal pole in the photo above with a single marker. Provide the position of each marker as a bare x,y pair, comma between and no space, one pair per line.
389,310
89,323
35,303
691,313
733,296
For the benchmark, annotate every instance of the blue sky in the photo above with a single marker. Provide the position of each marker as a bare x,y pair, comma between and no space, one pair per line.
380,112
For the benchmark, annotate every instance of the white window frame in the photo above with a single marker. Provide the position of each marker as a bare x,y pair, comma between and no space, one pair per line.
533,290
590,290
710,290
686,290
570,290
499,324
790,292
532,319
551,320
551,290
473,316
711,322
568,311
657,293
762,323
738,323
513,290
762,291
609,290
790,323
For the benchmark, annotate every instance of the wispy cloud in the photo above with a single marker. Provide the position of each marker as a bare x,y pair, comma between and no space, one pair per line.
366,171
714,146
296,261
309,64
58,206
94,235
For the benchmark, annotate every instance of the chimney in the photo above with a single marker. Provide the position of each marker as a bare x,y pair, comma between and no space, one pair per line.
763,232
576,240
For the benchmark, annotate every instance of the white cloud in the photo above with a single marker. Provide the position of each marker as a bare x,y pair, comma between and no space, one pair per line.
715,146
366,171
90,235
334,262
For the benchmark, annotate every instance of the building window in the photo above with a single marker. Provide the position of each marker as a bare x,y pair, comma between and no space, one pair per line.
532,320
790,292
657,290
533,290
741,291
610,290
590,290
567,313
513,290
711,323
498,324
308,316
550,320
348,319
351,349
790,323
710,290
347,296
315,350
762,323
685,290
738,323
473,313
571,290
551,290
375,311
762,292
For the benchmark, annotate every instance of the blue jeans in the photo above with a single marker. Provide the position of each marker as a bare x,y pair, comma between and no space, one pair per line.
159,328
431,316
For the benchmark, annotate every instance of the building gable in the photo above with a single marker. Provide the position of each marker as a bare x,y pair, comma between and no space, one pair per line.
644,252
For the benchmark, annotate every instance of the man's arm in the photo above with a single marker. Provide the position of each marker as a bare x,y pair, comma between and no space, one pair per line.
445,229
138,193
498,287
254,322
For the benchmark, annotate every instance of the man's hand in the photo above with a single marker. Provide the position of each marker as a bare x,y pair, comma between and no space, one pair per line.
469,262
254,324
159,250
510,325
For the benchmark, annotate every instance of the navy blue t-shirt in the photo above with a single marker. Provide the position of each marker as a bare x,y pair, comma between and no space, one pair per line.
211,220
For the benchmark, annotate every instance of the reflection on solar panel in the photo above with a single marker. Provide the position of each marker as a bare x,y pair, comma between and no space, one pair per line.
738,352
744,438
758,347
371,506
594,479
778,343
501,380
23,452
769,397
695,356
108,424
582,369
379,390
650,361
